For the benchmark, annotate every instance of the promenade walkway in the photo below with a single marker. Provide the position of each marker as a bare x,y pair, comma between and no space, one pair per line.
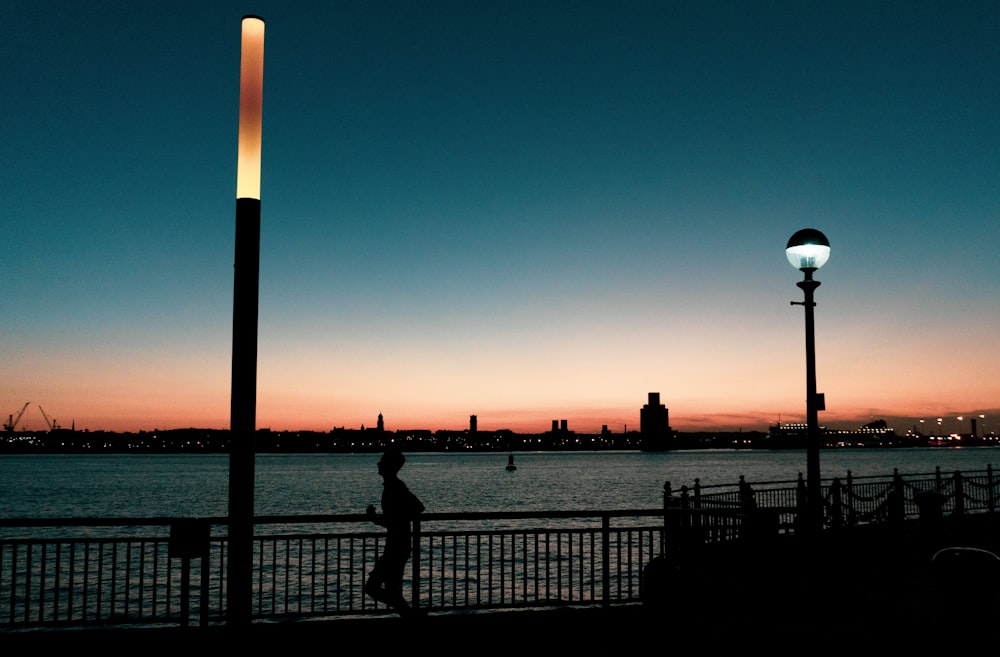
580,631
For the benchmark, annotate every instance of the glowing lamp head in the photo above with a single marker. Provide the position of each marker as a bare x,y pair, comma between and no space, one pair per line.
251,108
808,249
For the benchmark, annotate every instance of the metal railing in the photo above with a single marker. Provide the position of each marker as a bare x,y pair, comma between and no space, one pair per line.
173,571
156,571
707,514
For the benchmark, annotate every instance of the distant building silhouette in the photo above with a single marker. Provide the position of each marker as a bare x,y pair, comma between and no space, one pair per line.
473,424
381,424
560,426
654,425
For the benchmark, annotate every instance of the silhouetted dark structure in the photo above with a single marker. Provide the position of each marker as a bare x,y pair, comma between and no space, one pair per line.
654,425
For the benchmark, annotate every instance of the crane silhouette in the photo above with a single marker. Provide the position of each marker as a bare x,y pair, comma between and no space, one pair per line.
12,422
53,425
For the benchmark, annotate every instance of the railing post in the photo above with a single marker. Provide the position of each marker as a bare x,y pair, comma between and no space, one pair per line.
606,559
189,539
748,500
959,494
669,519
695,521
801,509
990,500
937,477
897,510
686,524
748,505
836,505
415,561
852,514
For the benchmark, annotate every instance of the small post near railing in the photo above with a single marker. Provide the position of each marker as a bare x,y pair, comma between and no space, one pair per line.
671,520
836,505
189,539
676,519
959,508
685,519
990,498
897,508
852,515
801,506
748,499
930,503
606,560
415,561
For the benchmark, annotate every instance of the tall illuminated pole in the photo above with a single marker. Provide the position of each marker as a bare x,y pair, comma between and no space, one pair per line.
243,403
808,250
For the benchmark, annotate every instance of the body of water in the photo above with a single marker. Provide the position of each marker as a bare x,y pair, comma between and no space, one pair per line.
145,485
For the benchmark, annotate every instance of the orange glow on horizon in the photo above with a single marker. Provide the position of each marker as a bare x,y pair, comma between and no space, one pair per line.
251,108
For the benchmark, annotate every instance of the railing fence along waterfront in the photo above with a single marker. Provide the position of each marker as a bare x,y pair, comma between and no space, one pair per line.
156,571
172,570
709,514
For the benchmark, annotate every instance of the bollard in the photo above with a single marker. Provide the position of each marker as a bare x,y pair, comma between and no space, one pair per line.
189,539
930,504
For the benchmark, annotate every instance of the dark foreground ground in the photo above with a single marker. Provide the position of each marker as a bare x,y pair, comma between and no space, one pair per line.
870,589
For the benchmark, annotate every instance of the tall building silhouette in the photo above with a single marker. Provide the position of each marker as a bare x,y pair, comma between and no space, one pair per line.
473,424
381,424
654,425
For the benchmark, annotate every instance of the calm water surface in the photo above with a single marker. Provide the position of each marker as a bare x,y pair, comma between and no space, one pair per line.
132,485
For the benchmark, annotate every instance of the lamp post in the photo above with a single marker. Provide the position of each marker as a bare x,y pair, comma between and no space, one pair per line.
243,401
807,251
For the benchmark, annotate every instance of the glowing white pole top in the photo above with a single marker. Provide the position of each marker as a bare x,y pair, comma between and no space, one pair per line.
808,249
251,108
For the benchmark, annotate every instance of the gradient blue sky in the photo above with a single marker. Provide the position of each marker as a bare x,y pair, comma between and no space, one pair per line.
526,211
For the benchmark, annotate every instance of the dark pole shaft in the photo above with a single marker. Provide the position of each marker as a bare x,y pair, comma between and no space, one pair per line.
243,409
813,487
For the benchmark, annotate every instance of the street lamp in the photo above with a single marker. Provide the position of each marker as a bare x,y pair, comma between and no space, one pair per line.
807,251
243,401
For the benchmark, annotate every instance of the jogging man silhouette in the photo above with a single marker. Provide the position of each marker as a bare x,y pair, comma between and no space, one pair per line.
399,508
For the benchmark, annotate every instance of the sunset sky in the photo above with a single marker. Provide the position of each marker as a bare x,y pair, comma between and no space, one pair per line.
527,211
